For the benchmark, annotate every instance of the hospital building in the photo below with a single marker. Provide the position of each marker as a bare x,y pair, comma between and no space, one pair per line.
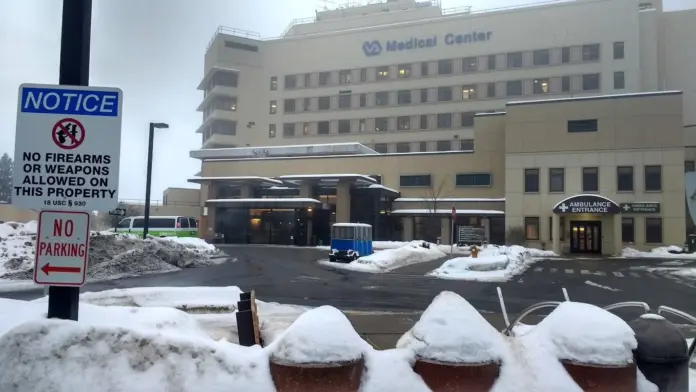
566,125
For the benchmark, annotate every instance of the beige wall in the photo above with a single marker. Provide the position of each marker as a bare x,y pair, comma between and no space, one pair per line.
181,196
9,213
680,58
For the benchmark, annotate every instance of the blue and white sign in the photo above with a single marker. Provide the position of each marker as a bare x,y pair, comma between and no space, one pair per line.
67,148
375,47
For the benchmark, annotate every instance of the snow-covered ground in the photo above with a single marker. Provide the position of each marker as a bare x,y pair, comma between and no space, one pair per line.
154,347
493,264
382,245
392,258
599,286
111,255
662,252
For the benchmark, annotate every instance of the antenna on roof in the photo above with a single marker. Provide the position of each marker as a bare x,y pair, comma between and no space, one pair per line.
326,4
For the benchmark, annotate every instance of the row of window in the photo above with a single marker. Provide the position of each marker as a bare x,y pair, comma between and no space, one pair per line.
460,180
625,179
438,145
380,124
653,229
511,88
492,62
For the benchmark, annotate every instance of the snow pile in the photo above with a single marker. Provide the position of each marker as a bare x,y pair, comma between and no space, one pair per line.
174,297
599,286
671,252
391,370
451,330
111,255
398,244
493,264
320,335
390,259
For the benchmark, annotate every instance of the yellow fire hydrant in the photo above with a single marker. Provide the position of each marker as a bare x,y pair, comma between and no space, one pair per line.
474,251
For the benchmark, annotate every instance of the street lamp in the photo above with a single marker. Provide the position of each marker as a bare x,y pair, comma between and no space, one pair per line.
148,182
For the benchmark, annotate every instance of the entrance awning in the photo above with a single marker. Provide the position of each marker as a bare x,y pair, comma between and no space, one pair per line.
237,180
587,204
282,203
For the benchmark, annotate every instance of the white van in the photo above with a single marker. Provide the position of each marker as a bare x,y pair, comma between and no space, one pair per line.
160,226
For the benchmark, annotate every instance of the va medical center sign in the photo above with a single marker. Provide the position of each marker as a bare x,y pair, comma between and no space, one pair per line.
67,148
376,47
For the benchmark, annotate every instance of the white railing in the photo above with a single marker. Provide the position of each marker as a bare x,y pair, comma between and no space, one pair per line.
235,32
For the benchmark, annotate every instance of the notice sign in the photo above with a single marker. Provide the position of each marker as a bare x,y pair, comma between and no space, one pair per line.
67,148
62,248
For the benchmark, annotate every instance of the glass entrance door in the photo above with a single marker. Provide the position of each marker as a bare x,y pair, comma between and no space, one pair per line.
586,237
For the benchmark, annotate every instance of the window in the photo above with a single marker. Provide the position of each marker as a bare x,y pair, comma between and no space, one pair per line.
689,166
628,230
444,94
343,126
514,88
424,69
345,76
290,81
624,179
424,95
362,124
382,73
619,80
531,180
289,106
305,128
344,101
307,80
469,92
470,64
467,119
424,121
557,180
473,179
618,50
466,144
306,104
271,130
403,97
590,179
363,74
420,180
274,83
423,146
653,230
404,70
444,67
324,103
590,82
403,123
491,61
541,86
323,128
381,124
542,57
565,55
582,125
565,84
531,228
363,100
288,130
514,60
324,78
653,178
273,107
382,98
403,147
444,121
444,145
561,223
382,148
590,52
490,87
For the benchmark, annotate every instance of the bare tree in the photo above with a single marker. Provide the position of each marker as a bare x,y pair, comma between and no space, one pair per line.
431,224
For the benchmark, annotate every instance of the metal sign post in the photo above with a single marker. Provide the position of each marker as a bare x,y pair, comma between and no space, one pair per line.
454,218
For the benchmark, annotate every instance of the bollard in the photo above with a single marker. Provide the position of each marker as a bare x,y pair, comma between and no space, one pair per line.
602,378
457,377
317,377
662,354
474,251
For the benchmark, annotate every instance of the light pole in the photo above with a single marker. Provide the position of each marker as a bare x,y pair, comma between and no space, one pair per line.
148,182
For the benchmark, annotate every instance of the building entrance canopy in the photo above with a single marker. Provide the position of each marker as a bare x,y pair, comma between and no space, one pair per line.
587,204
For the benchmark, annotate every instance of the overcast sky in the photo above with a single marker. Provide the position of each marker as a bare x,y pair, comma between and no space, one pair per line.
153,50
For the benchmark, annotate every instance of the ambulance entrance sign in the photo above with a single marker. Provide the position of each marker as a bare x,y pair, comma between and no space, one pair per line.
67,148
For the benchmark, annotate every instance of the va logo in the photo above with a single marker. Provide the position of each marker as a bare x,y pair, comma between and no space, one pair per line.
372,48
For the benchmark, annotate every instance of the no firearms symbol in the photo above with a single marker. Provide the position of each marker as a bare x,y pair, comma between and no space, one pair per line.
68,133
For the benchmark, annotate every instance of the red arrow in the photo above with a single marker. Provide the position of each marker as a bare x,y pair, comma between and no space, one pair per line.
47,269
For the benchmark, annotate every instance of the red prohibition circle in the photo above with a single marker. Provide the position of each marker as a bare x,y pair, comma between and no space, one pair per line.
69,140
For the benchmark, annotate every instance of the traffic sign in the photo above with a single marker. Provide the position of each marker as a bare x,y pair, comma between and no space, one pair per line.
57,164
454,213
118,212
62,248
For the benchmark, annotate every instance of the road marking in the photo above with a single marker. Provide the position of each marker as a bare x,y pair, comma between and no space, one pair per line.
570,271
618,274
601,273
554,270
585,272
538,269
652,276
634,274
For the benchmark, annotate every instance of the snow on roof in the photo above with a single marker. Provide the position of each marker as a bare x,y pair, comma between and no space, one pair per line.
380,186
594,97
447,199
419,211
275,152
451,330
321,335
351,225
262,200
585,333
327,176
198,180
584,195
